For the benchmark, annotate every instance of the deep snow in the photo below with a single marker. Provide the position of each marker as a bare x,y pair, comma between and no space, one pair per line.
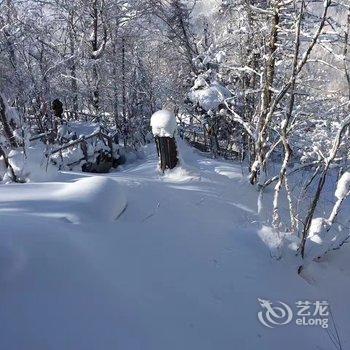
181,268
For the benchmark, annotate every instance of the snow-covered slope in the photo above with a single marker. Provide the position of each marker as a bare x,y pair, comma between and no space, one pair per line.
89,199
181,268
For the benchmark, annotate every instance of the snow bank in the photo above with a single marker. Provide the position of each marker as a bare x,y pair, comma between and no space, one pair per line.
163,123
318,225
89,199
230,171
220,56
186,254
93,199
281,245
319,240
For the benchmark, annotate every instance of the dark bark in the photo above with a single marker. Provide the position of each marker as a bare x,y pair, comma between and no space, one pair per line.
167,152
95,93
73,68
5,123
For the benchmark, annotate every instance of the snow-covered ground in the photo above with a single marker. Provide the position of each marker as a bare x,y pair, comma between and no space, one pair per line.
182,267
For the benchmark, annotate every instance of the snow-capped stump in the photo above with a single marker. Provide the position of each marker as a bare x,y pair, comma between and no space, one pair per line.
163,123
164,126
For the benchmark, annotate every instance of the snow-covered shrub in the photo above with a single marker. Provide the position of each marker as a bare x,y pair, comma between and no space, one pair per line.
209,97
30,164
324,234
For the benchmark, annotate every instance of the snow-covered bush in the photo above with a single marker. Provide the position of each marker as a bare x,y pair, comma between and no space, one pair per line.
74,146
208,98
30,164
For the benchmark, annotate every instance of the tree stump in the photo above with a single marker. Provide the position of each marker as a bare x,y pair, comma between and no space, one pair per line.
164,126
167,152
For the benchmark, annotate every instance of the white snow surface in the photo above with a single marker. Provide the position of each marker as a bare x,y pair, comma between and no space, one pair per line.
163,123
88,199
182,267
343,186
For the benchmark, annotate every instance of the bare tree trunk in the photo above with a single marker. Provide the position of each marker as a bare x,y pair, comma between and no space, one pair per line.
8,165
97,49
73,69
263,126
167,152
284,131
125,118
345,52
94,43
115,77
5,123
266,93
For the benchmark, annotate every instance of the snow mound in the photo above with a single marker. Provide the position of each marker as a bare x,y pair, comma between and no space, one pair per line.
89,199
280,244
229,171
93,198
163,123
180,174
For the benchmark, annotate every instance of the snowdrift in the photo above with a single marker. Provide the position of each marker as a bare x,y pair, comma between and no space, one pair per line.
94,198
183,268
90,199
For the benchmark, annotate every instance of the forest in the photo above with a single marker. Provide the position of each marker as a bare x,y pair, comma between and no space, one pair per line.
260,90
